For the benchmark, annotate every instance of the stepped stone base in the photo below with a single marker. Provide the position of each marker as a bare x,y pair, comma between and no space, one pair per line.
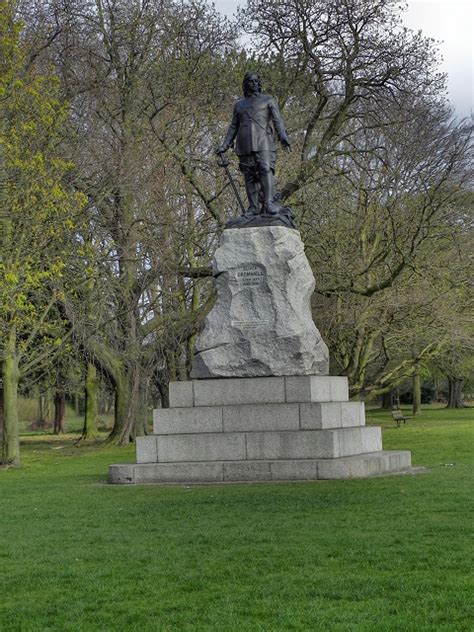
259,429
360,466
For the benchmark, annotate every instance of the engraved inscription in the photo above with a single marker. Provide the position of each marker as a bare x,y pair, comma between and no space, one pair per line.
246,325
250,276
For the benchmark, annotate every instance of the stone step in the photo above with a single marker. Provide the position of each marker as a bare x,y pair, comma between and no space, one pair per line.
258,417
331,415
236,446
362,465
259,390
307,444
359,466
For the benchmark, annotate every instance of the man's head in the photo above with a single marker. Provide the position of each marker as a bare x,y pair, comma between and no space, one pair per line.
252,84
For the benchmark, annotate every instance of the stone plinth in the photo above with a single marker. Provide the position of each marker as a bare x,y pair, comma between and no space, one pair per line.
259,429
261,323
263,407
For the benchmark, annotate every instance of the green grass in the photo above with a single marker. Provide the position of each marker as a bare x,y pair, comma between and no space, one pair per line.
391,553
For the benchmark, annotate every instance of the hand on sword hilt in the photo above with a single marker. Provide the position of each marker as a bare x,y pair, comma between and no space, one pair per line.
222,162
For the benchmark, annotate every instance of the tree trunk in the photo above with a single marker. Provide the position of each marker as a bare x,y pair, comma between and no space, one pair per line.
10,376
162,384
76,402
189,356
170,360
127,407
416,391
103,402
388,400
41,421
107,403
120,409
455,385
90,415
141,428
181,364
59,412
46,408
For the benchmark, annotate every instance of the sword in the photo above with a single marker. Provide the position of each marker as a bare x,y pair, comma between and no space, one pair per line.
222,162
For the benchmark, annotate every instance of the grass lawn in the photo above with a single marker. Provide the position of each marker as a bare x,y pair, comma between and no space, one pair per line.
391,553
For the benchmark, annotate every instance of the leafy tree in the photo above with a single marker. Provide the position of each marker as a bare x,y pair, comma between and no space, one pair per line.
375,176
377,169
456,364
141,78
37,220
340,66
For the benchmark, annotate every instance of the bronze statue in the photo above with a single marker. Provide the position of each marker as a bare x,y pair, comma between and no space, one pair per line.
254,120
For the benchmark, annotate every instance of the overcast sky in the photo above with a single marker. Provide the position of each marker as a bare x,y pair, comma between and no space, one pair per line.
451,21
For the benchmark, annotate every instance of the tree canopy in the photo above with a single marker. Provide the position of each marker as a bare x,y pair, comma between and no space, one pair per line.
112,202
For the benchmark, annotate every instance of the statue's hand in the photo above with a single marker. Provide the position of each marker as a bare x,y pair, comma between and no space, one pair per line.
286,146
221,149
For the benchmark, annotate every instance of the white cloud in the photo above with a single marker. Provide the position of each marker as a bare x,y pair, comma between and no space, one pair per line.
452,22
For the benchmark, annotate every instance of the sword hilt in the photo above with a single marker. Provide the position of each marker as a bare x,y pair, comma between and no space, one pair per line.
222,162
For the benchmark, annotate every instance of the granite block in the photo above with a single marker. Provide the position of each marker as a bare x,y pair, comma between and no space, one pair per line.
146,449
259,417
178,473
187,420
232,391
364,465
201,447
247,471
181,394
316,388
302,444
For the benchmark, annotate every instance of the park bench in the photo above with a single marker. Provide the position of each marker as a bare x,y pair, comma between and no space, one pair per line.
398,416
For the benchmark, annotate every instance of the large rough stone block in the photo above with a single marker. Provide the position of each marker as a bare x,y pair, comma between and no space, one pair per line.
257,390
259,417
187,420
261,323
201,447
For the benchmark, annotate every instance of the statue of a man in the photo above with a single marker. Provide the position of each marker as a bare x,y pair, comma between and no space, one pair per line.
254,119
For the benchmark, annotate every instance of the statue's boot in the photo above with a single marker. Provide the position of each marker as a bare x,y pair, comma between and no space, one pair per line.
252,195
266,181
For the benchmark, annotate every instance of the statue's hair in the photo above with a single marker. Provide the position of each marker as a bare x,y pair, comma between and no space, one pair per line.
245,82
